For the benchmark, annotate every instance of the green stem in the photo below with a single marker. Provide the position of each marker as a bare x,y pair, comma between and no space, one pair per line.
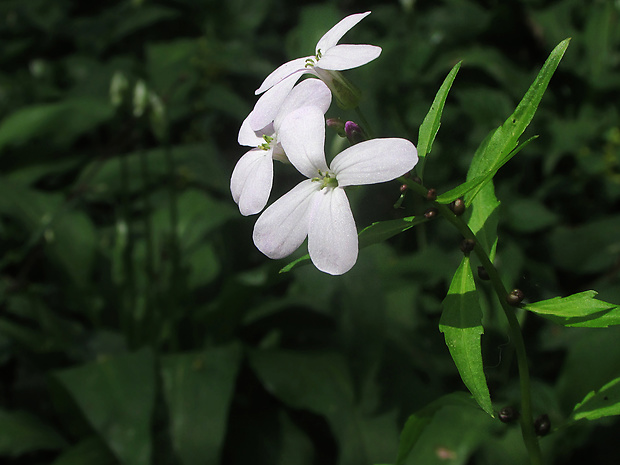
364,122
527,422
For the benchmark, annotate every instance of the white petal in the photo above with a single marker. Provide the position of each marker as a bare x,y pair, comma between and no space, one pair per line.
283,226
343,57
268,106
251,181
302,135
310,92
247,136
373,161
332,36
332,235
282,72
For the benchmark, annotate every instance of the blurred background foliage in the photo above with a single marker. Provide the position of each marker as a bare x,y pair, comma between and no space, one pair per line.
138,323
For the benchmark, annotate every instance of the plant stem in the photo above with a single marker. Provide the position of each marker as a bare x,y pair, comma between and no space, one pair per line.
527,422
364,122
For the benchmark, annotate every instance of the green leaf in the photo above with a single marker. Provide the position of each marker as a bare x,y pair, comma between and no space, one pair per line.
432,121
117,397
69,236
505,138
473,185
461,325
198,388
482,218
377,232
318,382
383,230
420,421
23,432
92,451
578,310
597,404
59,123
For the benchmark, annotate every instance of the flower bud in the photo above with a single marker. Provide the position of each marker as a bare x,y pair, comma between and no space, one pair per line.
431,194
458,207
467,245
354,132
542,425
515,297
430,213
507,414
403,188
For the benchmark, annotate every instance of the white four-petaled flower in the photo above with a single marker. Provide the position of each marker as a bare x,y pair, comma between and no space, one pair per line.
252,178
318,208
327,60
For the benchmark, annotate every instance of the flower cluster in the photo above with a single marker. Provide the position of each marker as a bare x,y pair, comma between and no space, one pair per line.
288,124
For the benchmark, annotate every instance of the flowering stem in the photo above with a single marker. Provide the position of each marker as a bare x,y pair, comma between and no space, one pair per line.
364,122
527,422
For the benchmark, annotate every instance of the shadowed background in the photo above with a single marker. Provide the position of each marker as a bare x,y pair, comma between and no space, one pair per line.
139,324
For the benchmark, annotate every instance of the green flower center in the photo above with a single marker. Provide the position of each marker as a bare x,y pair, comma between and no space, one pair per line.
326,179
310,62
267,144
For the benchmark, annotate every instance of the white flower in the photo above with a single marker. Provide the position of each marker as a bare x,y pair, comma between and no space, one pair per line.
318,207
327,60
252,178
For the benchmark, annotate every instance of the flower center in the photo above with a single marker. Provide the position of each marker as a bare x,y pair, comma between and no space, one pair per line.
267,144
326,179
310,62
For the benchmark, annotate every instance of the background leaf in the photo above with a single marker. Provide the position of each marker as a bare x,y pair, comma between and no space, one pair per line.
117,397
23,432
198,388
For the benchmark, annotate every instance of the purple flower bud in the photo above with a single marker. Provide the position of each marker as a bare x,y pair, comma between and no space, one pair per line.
354,132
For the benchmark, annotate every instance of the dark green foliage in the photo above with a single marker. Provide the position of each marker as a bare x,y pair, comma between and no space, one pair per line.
139,324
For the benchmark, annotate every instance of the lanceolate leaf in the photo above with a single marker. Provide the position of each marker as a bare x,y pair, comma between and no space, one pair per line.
597,404
461,324
482,219
383,230
470,188
505,138
432,121
579,310
503,143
